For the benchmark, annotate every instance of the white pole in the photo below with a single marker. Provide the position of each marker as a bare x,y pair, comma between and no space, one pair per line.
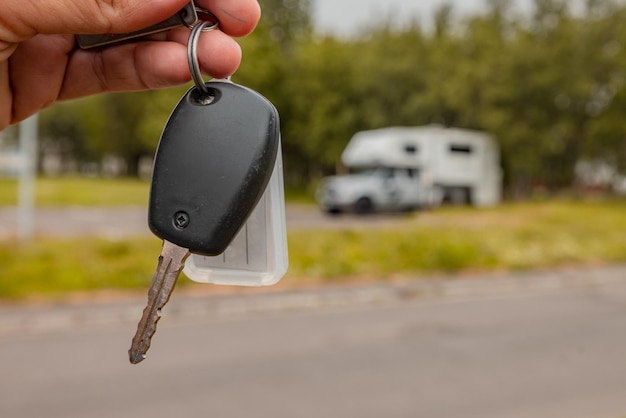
28,170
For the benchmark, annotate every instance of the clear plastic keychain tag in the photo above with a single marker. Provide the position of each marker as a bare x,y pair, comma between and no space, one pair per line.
257,256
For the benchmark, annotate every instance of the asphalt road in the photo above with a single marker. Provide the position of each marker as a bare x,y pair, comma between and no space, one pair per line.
112,222
556,352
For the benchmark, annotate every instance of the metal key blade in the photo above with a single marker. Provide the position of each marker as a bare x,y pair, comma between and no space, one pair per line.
171,262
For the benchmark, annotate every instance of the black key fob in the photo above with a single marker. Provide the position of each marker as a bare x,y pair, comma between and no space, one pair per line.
214,160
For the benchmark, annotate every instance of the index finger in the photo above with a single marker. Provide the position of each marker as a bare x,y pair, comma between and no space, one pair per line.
236,17
29,17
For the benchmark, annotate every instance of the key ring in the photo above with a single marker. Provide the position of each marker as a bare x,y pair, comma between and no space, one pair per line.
209,17
192,49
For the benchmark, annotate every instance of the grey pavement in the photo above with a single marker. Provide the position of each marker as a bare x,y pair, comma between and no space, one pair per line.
73,221
118,222
189,304
543,345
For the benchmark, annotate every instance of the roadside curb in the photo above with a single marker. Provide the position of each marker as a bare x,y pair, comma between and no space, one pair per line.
24,320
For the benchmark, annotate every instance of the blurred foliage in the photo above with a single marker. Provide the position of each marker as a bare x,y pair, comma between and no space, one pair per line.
517,236
60,266
451,240
550,86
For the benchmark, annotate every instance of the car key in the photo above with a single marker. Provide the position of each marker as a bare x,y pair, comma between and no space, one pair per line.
213,163
171,262
188,16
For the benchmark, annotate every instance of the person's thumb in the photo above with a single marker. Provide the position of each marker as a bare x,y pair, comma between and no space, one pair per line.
22,19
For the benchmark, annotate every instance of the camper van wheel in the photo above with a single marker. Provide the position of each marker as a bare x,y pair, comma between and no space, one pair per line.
458,196
364,206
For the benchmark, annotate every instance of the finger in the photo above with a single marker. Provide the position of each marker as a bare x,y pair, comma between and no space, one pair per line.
147,65
6,104
236,17
38,87
28,17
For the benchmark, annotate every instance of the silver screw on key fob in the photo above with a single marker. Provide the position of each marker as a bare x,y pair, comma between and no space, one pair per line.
213,163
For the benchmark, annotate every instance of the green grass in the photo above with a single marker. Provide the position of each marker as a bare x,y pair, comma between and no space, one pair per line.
83,191
80,191
510,237
52,267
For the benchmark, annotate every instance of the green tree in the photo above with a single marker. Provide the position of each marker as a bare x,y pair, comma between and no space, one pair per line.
551,87
557,79
268,65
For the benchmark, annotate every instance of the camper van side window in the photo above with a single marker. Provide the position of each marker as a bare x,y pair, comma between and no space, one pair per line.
410,149
461,149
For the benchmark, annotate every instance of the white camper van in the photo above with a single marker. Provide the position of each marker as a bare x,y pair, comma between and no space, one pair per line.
406,168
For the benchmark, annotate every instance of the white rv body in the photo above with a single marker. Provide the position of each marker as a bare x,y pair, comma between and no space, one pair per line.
415,167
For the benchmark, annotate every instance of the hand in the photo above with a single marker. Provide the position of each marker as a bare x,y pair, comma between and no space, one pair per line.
40,62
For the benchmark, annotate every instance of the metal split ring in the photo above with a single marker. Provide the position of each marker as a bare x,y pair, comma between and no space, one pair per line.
192,48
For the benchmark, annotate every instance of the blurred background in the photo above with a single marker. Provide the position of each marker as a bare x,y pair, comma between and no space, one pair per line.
546,79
